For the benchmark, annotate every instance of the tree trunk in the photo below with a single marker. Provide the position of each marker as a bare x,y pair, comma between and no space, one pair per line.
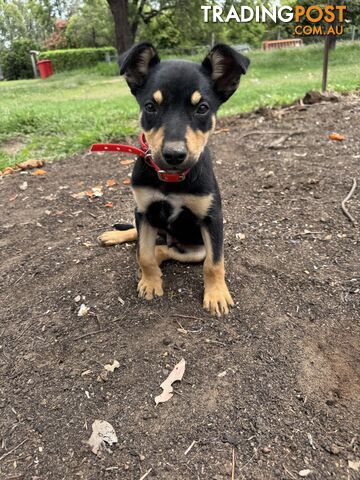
123,35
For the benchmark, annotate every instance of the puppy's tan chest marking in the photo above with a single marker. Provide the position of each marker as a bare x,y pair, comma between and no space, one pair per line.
199,205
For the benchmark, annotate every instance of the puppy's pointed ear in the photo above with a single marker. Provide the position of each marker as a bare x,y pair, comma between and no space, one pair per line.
136,63
225,66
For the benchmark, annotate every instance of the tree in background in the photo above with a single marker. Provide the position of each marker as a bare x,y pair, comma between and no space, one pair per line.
16,61
91,26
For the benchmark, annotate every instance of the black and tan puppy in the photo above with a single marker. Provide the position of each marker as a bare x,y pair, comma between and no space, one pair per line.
178,102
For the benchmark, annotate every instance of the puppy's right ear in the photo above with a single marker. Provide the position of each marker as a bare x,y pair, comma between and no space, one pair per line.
136,63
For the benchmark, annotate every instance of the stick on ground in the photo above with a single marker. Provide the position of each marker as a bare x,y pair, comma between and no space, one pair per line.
346,199
13,449
233,465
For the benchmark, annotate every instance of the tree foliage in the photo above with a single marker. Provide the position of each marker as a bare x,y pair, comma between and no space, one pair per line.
16,62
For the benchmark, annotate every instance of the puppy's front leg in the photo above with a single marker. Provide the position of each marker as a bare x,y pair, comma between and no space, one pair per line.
217,298
150,283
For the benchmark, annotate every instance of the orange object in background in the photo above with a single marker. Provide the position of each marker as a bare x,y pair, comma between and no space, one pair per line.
45,68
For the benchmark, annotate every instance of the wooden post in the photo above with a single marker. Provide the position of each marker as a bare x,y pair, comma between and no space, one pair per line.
325,63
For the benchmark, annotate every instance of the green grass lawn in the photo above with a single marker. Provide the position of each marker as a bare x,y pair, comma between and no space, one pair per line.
68,112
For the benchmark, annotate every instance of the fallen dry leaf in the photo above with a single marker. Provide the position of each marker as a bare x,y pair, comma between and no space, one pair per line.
89,193
109,204
98,191
225,130
8,171
112,367
337,137
29,164
83,310
103,434
38,172
126,162
127,181
79,195
111,182
354,465
176,375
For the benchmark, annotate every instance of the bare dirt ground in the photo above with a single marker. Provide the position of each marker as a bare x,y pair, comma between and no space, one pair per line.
276,383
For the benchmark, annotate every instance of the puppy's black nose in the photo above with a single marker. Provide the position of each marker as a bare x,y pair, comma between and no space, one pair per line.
174,153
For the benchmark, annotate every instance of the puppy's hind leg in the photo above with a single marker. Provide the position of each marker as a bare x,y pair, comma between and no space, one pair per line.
193,254
122,234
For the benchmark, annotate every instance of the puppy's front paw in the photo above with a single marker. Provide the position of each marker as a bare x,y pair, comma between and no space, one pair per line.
113,237
148,287
217,300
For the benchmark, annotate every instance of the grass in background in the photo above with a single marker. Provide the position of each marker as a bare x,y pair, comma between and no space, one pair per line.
66,113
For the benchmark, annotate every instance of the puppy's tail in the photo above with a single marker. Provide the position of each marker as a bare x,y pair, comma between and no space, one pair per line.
123,233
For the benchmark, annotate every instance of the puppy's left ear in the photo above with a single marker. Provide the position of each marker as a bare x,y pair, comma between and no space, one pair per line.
225,67
136,63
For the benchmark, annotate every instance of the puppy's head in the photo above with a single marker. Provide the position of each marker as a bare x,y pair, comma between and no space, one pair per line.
179,99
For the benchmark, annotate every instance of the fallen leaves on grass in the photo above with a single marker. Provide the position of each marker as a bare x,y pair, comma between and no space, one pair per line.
111,367
83,310
30,164
127,162
103,434
127,181
337,137
175,376
8,171
111,182
38,172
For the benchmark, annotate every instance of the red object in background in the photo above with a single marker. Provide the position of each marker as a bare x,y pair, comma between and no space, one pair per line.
45,68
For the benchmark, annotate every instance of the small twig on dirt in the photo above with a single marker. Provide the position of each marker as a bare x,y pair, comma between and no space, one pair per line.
287,471
216,342
186,316
279,141
13,450
221,130
181,329
189,448
92,215
233,465
346,199
146,474
311,441
89,334
22,333
247,463
270,132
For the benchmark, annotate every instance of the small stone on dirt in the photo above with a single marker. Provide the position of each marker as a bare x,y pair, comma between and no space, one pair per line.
305,473
23,186
83,310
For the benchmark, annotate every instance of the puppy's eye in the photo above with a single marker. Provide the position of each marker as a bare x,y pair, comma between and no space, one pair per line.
150,107
202,108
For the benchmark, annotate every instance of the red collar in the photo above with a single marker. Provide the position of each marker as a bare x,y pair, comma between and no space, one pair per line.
145,153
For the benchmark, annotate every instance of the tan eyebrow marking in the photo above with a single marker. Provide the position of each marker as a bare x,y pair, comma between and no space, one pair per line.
158,97
195,97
